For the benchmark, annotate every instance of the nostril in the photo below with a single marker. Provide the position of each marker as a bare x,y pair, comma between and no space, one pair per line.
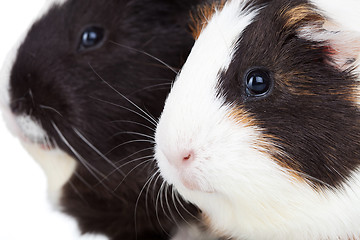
16,106
19,106
178,158
188,156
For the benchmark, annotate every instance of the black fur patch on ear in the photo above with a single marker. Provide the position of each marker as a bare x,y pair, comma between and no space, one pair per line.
312,112
94,93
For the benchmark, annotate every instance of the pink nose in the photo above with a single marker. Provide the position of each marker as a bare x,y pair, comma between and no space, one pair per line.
180,158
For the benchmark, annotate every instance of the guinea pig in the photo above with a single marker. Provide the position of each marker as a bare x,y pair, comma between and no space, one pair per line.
83,90
261,129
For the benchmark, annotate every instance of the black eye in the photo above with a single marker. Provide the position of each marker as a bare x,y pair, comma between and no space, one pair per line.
258,82
91,37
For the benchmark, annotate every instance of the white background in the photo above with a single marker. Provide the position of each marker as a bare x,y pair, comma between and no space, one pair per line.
24,211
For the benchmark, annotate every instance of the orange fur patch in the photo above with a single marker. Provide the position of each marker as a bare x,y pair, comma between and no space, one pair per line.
267,144
202,15
301,13
239,115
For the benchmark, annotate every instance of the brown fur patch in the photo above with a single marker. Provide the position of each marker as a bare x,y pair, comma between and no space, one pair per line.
239,115
267,143
202,15
299,83
303,13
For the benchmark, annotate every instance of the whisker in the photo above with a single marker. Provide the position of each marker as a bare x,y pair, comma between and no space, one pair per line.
129,162
18,99
83,180
77,192
88,166
162,201
132,141
122,95
147,54
136,123
123,107
153,86
134,133
176,208
46,141
183,207
136,159
158,79
168,205
130,173
146,110
50,108
138,199
157,171
31,96
92,170
156,205
133,154
97,151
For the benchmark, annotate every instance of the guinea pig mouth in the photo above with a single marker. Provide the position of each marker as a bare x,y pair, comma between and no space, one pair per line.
182,176
191,182
30,131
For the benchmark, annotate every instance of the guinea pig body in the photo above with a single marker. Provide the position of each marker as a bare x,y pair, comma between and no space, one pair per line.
261,128
83,89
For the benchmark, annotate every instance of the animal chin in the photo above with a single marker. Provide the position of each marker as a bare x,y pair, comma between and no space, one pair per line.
192,180
30,131
183,177
42,143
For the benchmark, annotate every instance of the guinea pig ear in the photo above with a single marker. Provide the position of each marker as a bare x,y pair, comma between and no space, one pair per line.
341,44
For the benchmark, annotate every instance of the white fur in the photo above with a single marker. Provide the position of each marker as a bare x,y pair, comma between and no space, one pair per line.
57,165
346,12
31,129
192,232
242,190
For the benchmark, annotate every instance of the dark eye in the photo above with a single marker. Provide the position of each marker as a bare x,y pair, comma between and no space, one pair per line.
91,37
258,82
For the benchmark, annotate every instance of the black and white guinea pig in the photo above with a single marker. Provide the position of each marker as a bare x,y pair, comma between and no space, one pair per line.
83,89
261,129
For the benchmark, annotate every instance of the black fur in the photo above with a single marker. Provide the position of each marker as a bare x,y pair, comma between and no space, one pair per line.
311,112
50,70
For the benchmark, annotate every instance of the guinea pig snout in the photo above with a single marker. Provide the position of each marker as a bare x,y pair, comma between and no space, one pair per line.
22,97
34,93
26,103
18,106
179,157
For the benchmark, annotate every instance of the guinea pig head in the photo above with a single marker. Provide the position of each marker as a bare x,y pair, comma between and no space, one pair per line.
86,70
86,85
261,128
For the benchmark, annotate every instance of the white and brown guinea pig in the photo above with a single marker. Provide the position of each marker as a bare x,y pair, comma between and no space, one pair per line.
81,91
261,129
